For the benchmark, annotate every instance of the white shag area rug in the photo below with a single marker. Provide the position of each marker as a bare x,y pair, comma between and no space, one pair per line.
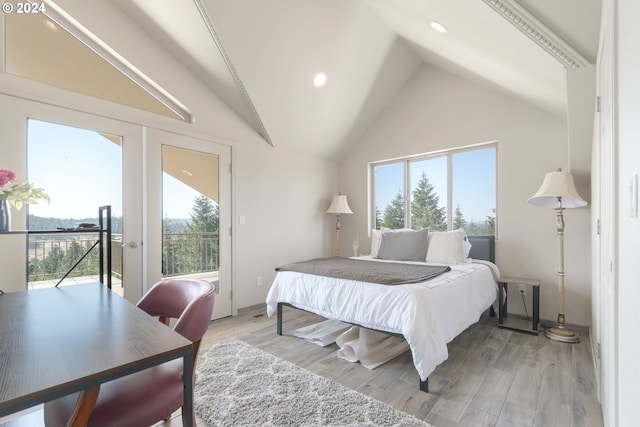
240,385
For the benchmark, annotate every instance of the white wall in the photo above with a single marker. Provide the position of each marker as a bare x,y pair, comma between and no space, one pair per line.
436,111
282,196
628,160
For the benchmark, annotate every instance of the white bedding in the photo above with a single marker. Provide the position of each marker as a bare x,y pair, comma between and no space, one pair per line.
428,314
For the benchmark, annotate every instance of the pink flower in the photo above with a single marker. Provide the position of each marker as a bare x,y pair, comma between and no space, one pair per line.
6,176
19,194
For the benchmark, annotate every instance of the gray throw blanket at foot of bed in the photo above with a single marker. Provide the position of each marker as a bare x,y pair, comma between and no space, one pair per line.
386,273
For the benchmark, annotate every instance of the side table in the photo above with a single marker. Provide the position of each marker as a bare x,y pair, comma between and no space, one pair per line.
503,299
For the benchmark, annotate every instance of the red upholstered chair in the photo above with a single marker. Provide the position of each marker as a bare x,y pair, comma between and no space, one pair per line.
146,397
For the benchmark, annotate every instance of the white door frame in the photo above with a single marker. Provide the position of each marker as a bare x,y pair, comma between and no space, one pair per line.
154,140
605,270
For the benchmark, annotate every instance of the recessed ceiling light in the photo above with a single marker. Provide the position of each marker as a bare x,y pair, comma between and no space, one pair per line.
438,27
187,172
319,80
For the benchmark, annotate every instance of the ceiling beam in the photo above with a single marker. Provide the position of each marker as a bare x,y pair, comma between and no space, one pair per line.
82,34
236,77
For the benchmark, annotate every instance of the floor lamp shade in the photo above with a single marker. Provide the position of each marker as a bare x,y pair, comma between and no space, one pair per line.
557,187
558,191
339,206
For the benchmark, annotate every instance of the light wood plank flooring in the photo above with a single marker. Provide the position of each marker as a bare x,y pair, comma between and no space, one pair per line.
493,377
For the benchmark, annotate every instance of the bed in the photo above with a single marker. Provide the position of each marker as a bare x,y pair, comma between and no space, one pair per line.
428,314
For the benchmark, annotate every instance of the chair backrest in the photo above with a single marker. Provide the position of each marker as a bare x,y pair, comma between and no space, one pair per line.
187,300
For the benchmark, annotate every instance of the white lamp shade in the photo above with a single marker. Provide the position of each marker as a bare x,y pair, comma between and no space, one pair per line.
339,205
557,185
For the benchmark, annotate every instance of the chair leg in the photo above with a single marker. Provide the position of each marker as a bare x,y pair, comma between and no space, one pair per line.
82,411
193,416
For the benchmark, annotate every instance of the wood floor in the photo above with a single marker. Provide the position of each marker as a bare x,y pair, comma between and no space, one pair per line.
493,377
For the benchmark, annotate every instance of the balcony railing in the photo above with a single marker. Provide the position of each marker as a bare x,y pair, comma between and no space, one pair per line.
182,254
188,253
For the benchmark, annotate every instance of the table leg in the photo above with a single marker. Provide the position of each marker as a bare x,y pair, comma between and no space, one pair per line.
501,307
536,307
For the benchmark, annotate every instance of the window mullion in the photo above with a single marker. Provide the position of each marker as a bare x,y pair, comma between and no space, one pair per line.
407,194
449,191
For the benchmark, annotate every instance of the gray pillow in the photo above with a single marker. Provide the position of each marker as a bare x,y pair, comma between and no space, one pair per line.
405,245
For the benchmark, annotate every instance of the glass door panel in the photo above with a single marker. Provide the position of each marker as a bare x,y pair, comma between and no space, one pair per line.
190,212
81,171
189,216
83,162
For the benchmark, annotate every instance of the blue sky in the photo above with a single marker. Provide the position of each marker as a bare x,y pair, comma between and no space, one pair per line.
82,170
473,181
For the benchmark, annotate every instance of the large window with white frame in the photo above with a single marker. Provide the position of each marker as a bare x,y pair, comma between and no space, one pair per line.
446,190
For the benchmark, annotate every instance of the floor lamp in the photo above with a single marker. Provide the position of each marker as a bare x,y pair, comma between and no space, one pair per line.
558,191
339,206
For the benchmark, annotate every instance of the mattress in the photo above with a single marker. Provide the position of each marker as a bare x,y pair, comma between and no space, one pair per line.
428,314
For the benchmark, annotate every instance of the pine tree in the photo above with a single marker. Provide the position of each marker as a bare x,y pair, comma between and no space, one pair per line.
394,213
205,224
491,224
472,228
167,225
458,219
204,215
425,212
378,219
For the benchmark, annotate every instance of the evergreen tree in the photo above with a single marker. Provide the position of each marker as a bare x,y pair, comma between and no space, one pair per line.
491,224
54,262
458,219
167,224
378,219
425,212
205,218
394,213
472,229
168,247
204,215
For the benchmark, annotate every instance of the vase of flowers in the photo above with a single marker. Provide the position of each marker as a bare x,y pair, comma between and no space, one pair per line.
16,195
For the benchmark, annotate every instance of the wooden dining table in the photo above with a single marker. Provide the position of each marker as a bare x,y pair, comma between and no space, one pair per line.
58,341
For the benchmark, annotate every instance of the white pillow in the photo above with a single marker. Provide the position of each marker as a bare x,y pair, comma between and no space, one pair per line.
375,242
446,247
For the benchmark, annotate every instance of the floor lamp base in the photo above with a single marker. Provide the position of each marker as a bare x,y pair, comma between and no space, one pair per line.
562,334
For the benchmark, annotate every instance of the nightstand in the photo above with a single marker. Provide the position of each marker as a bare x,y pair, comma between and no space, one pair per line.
503,300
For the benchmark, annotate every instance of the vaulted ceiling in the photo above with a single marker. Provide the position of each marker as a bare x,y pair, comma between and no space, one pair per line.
260,56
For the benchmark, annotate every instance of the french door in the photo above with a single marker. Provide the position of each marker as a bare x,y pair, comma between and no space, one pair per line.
188,231
140,247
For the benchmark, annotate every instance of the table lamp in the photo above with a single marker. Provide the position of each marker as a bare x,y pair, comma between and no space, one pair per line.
339,206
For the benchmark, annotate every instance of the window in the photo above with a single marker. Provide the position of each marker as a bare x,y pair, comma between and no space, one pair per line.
442,191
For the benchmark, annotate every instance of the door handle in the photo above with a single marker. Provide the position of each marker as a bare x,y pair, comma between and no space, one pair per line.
133,244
